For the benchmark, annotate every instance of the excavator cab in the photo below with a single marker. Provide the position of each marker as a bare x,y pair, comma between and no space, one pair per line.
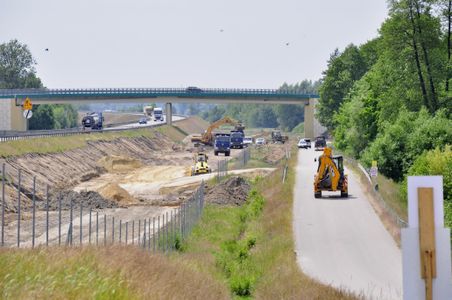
330,174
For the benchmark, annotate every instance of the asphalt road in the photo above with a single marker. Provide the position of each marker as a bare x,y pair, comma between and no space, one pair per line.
150,123
341,241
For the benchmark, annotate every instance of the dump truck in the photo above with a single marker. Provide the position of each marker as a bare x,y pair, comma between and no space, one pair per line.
320,143
207,138
200,164
277,137
148,110
330,174
158,114
222,144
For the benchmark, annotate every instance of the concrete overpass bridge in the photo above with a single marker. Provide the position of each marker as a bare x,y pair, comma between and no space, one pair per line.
11,100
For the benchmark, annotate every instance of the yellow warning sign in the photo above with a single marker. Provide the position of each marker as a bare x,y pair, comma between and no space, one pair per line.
27,104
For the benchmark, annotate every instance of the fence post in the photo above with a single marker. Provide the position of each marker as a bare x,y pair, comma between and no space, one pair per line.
18,209
127,231
3,204
144,234
59,219
139,231
133,232
113,230
47,215
81,223
97,228
34,214
158,233
149,234
89,230
120,231
105,230
153,233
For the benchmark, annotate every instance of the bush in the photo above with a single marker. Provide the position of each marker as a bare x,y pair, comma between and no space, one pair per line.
435,162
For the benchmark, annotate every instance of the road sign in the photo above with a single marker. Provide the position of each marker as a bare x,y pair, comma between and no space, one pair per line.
373,172
28,114
374,164
27,104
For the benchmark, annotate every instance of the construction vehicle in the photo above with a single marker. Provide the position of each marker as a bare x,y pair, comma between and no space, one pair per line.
93,120
237,139
200,166
320,143
330,174
207,138
277,137
222,144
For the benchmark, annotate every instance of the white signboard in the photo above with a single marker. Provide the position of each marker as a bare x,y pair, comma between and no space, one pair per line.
27,114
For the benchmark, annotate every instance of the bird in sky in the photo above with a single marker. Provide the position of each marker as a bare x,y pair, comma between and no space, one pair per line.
287,44
46,49
221,30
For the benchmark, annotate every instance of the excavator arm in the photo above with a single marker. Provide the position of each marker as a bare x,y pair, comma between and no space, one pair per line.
327,170
207,137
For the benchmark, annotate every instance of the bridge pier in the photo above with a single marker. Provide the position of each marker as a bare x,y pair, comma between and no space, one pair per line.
11,117
312,127
169,113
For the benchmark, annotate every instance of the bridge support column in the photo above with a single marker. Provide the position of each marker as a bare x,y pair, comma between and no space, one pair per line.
11,117
169,113
312,127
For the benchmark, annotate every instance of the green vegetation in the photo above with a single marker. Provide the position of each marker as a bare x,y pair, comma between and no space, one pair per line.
55,116
389,100
285,117
31,274
66,143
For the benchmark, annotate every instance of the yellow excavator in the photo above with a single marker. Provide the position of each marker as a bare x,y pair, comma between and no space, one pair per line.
207,137
330,174
200,166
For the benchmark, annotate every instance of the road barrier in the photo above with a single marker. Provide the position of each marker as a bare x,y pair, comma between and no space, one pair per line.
6,135
79,225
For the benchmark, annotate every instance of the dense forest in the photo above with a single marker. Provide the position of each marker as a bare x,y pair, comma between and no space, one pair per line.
390,99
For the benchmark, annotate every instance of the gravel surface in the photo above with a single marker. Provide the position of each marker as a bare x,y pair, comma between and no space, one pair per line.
232,191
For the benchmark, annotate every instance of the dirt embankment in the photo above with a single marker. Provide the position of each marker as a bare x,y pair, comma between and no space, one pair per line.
232,191
62,171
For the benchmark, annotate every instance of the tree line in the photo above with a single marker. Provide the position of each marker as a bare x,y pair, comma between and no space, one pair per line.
390,99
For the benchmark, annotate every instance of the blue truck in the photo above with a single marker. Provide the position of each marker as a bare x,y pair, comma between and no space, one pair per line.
237,139
222,144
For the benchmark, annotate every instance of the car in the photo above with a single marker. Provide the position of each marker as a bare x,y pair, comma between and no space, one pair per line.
260,141
193,89
143,121
304,143
247,141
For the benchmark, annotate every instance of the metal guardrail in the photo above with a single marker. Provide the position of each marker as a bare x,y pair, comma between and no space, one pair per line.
21,135
149,93
79,225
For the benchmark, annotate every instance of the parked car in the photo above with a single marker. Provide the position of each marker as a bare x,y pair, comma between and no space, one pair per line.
247,141
304,143
260,141
143,121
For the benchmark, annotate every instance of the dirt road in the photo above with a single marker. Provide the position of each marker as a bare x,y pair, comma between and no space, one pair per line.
341,241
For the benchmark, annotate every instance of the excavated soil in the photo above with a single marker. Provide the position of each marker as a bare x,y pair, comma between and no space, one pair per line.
88,199
233,191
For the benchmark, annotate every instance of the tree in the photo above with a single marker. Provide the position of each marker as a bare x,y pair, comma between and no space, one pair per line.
43,117
17,66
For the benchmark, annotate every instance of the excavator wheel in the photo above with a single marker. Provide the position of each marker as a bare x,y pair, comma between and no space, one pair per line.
318,194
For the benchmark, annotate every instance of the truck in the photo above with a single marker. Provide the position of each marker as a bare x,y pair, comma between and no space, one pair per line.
237,139
93,120
222,144
207,138
158,114
320,143
277,137
148,110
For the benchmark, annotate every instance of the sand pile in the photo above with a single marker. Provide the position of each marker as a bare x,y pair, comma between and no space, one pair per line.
88,199
115,163
117,194
233,191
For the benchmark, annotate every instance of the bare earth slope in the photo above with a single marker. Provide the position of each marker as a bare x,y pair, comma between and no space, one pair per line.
342,241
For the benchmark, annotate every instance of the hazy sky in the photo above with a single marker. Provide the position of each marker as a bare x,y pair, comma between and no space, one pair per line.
176,43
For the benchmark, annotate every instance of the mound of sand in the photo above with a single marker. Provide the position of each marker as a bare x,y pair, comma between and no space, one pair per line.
117,194
232,191
115,163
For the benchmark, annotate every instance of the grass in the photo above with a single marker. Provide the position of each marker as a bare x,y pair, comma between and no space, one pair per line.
66,143
251,248
391,193
102,273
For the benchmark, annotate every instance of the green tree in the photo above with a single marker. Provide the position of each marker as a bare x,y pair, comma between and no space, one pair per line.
43,118
17,67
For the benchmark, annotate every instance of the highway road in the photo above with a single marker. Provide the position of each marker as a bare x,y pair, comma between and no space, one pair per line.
150,123
341,241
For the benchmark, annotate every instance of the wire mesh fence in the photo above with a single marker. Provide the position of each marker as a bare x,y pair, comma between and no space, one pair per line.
222,169
74,224
244,157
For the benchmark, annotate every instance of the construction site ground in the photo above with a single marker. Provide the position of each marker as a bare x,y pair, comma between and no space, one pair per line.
128,179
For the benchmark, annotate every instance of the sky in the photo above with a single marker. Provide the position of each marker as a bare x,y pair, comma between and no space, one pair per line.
180,43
